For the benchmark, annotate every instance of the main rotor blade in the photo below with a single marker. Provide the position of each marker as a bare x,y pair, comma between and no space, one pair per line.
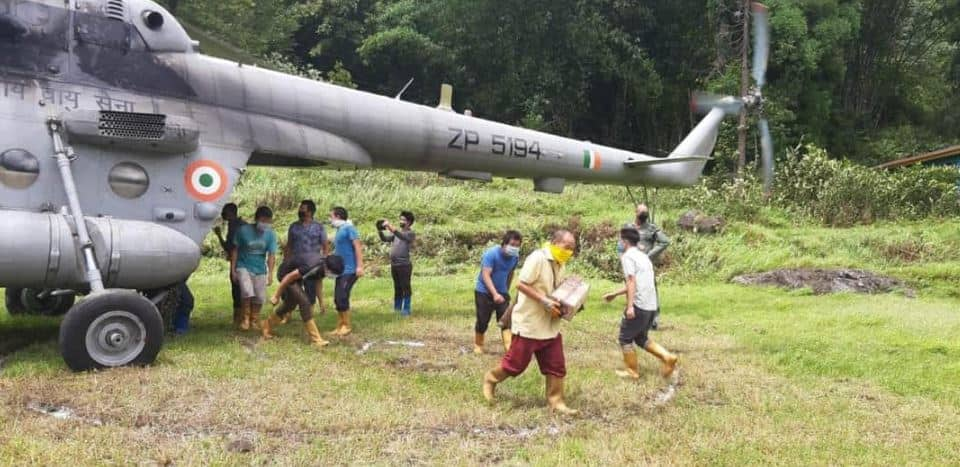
766,154
703,102
761,42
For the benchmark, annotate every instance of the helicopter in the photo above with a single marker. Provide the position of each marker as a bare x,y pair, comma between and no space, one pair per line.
121,142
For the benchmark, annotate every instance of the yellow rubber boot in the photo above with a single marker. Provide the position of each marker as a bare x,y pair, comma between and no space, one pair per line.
669,360
245,319
237,317
336,331
314,334
555,396
507,339
346,329
266,327
255,317
632,370
478,344
490,381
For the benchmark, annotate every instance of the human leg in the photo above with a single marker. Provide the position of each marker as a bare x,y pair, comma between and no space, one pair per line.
485,309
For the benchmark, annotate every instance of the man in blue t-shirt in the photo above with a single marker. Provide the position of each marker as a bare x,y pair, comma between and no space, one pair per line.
492,293
347,245
252,263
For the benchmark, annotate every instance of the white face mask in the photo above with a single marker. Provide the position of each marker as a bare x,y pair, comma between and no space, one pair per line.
338,223
512,251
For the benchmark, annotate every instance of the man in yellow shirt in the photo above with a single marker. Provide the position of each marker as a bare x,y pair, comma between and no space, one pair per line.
535,323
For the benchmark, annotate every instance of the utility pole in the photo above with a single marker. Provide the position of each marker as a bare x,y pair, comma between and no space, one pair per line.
744,87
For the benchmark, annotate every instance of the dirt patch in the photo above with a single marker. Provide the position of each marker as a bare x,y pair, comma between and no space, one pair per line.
415,364
824,281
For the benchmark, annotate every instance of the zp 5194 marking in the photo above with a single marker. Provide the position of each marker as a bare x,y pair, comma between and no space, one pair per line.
500,145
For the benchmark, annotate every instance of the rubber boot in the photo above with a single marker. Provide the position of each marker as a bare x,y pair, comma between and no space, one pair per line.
555,396
266,327
397,304
669,360
478,344
346,329
405,306
255,317
490,381
245,319
314,334
336,331
633,365
507,339
237,317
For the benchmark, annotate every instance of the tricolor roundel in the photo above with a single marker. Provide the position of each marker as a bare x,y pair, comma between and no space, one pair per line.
205,180
591,160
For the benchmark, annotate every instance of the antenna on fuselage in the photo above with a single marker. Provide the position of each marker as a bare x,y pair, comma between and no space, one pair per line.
404,89
446,98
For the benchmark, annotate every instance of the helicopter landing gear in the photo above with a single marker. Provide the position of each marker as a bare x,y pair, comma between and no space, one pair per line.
39,302
111,329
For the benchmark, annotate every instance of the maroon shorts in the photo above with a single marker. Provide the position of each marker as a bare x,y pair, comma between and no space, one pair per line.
549,356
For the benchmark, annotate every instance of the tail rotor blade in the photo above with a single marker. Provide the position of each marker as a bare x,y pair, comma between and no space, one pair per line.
761,42
766,154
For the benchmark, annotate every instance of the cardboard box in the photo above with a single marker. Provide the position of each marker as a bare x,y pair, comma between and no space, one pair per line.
572,294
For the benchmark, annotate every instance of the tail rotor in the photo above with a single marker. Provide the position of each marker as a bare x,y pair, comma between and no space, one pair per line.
753,101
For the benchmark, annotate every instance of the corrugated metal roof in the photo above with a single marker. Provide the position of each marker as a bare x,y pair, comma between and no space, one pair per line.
930,156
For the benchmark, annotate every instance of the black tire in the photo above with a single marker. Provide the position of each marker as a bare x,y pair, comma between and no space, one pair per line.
88,333
13,302
24,302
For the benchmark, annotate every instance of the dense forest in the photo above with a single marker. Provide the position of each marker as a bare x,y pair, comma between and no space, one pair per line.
869,80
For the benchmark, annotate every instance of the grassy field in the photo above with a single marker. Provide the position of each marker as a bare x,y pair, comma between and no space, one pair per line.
768,376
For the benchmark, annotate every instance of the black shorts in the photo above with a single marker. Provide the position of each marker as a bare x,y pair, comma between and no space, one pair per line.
634,331
486,308
342,290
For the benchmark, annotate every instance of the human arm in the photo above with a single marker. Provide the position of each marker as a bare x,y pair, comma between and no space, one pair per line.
282,287
612,295
631,294
233,264
487,275
661,241
271,266
358,248
549,304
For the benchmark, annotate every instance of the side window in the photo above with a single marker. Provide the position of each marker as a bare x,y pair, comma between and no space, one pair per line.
33,37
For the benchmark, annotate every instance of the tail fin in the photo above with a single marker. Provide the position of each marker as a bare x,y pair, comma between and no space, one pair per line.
701,141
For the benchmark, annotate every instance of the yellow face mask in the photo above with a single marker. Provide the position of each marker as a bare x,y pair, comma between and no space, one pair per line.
562,255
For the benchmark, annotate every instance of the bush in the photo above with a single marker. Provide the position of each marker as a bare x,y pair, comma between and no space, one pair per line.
840,193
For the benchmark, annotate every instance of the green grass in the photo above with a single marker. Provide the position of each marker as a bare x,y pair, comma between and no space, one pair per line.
769,376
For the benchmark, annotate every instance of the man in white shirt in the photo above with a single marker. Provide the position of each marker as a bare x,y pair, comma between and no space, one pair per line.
642,306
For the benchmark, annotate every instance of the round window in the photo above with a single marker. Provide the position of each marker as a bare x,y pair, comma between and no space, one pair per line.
18,168
129,180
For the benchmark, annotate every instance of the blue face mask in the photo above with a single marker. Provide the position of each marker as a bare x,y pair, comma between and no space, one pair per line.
512,251
620,248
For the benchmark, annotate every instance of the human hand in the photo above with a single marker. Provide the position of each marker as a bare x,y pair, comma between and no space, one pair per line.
609,297
498,299
629,313
274,300
359,271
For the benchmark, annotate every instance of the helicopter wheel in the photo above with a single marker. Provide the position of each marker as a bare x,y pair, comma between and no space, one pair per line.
113,329
28,302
